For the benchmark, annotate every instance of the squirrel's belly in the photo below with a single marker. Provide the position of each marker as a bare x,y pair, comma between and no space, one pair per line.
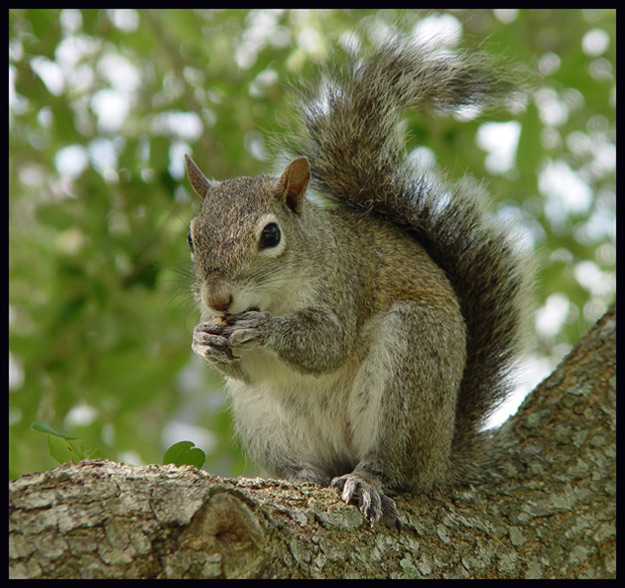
304,413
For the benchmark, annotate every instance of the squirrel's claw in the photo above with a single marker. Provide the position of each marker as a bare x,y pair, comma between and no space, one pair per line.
247,329
209,343
371,501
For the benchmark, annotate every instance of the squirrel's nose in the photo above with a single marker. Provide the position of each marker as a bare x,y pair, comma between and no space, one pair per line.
216,297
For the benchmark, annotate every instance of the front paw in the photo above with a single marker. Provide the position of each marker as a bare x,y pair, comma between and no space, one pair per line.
371,501
248,329
210,342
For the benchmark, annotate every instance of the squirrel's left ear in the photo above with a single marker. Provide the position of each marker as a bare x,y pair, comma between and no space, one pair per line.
200,183
293,182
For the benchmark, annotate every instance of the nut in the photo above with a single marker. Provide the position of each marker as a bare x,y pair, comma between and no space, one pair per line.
219,320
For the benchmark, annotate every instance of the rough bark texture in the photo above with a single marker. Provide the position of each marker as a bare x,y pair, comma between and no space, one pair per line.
548,512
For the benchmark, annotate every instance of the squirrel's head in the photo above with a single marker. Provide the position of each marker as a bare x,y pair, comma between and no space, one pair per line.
246,242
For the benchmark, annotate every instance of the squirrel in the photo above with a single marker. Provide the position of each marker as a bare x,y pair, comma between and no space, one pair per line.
366,339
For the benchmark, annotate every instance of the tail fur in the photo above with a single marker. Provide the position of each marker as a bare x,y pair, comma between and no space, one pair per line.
358,159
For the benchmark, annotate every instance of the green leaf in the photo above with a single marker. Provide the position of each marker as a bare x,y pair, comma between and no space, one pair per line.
184,453
71,450
45,428
66,448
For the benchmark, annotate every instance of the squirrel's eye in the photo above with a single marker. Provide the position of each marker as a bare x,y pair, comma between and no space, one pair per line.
190,241
270,236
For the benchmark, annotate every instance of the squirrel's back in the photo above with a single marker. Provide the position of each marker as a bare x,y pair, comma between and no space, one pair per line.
352,138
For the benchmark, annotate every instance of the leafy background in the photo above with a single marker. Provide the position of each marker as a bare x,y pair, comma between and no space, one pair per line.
104,103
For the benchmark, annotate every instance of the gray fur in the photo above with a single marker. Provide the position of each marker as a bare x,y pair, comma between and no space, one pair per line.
366,349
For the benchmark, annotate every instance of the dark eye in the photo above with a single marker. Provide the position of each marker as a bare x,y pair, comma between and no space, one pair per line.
190,241
270,236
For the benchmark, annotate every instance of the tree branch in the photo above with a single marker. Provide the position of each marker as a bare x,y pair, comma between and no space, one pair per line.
549,510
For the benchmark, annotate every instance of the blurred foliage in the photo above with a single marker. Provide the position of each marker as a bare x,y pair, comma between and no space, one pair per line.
104,103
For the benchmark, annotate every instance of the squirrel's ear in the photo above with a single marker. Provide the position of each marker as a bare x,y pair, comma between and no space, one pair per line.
200,183
293,182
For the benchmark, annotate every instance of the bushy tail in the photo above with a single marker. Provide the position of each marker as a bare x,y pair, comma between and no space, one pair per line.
358,159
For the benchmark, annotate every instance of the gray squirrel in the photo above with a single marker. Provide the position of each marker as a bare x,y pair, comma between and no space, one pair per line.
364,341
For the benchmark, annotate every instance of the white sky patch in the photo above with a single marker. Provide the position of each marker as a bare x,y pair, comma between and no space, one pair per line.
595,42
506,15
552,110
50,73
500,141
423,157
80,415
262,25
16,372
550,318
120,73
18,104
111,107
186,125
125,19
103,156
71,20
549,63
73,55
310,40
71,160
440,30
177,151
566,193
591,278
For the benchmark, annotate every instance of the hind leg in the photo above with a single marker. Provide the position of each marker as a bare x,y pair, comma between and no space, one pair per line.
402,407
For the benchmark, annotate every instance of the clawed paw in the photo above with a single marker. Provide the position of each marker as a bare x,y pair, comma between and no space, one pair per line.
247,329
371,501
218,340
210,343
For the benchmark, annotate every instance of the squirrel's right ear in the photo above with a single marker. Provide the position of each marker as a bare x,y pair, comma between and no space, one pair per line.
293,182
200,183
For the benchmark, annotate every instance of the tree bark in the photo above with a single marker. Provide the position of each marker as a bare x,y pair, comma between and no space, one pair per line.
547,512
